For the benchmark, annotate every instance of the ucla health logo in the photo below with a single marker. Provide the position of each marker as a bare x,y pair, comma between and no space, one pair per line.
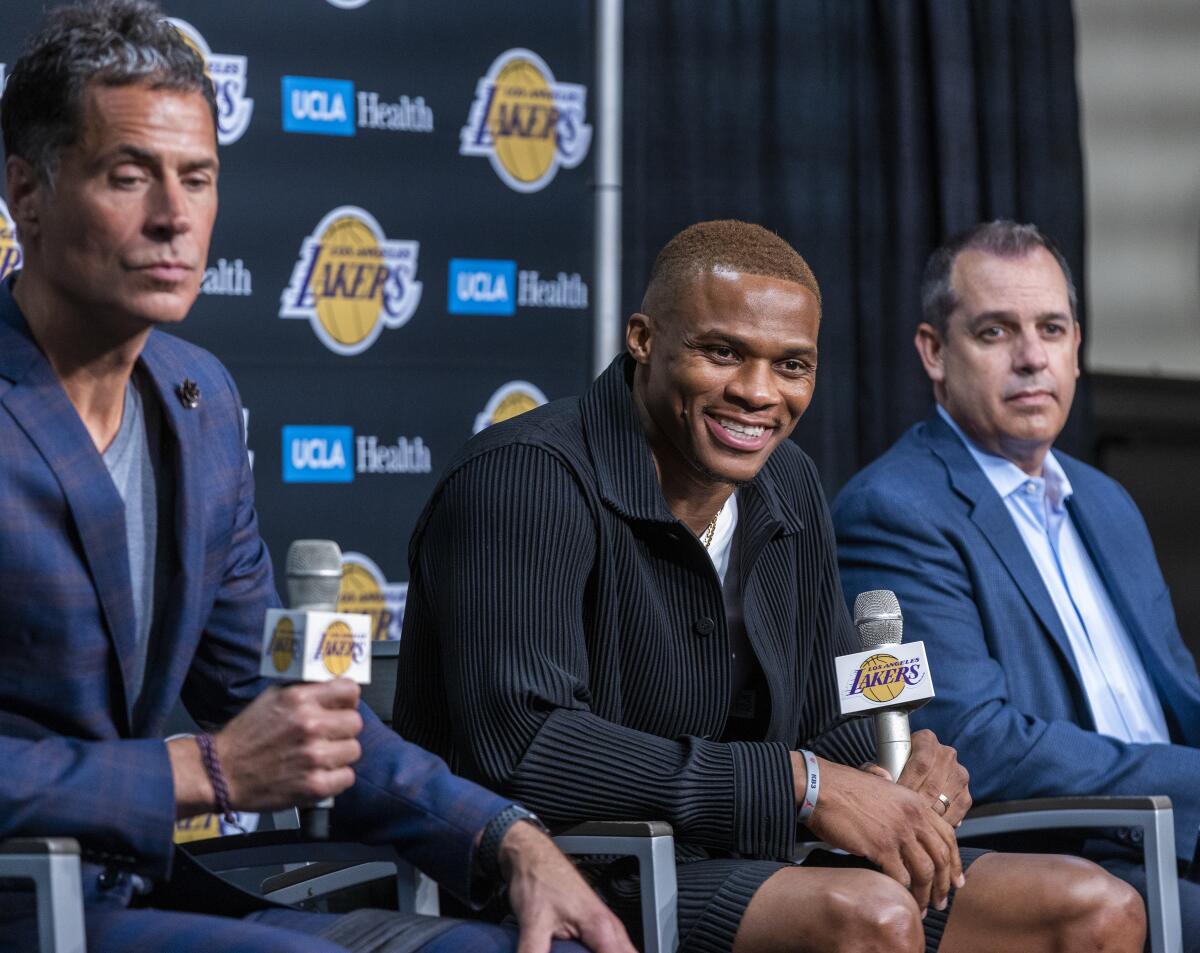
351,281
495,286
318,454
526,123
331,107
333,454
482,286
228,75
10,251
323,106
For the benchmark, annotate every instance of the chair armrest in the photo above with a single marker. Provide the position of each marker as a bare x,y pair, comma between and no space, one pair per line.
40,845
653,844
268,848
1067,812
52,863
1151,813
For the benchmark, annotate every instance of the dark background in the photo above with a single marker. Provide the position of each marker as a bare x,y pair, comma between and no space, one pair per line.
866,132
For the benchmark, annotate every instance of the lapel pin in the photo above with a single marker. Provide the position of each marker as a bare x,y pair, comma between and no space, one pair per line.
189,393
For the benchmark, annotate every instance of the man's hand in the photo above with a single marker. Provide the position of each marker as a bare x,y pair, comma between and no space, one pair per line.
866,815
933,770
290,746
551,900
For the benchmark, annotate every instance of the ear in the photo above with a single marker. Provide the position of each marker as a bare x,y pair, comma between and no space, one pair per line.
1078,342
24,190
638,332
929,346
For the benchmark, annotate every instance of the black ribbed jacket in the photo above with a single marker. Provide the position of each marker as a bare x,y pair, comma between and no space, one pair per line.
565,640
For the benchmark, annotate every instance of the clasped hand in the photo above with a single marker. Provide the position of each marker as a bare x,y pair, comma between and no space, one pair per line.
903,827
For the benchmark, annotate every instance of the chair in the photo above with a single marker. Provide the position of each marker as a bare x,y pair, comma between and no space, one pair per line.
52,863
1151,815
324,867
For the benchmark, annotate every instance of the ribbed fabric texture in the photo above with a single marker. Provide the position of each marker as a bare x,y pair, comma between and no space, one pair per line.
565,639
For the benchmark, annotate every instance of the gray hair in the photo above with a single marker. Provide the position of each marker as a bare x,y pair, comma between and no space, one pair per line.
1002,238
111,42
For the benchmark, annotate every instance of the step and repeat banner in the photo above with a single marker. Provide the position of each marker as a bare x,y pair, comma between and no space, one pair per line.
403,253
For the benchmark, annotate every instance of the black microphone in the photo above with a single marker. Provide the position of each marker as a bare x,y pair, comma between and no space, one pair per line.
881,625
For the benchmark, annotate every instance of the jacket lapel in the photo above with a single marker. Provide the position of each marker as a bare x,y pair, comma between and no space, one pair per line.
186,582
1104,545
991,516
40,406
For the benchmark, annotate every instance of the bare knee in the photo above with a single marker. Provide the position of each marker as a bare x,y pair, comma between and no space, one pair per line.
1099,913
874,915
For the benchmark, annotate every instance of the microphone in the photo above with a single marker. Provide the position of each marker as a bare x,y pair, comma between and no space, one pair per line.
880,624
887,680
312,641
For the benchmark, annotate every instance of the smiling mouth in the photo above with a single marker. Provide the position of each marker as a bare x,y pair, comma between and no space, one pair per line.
737,435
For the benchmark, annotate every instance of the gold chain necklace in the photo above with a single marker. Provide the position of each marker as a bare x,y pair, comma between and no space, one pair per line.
710,531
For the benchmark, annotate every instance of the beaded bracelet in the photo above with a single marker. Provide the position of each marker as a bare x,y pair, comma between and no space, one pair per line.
212,767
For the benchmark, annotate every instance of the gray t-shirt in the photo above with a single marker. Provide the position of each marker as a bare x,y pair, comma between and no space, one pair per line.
133,460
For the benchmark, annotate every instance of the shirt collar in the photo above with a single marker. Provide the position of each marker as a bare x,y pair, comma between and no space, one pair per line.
1006,477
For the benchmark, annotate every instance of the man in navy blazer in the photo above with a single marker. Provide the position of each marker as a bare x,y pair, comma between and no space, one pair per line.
132,572
1029,575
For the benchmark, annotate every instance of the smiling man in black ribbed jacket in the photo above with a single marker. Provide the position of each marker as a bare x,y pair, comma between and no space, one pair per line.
627,606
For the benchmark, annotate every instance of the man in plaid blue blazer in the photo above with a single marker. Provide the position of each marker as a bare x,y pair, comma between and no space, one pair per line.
132,572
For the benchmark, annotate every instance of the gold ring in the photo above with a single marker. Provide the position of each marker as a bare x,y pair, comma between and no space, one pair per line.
945,803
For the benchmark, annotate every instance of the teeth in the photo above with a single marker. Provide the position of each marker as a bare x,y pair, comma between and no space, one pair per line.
741,429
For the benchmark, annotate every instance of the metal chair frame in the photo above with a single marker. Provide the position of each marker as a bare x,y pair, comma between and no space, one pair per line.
52,863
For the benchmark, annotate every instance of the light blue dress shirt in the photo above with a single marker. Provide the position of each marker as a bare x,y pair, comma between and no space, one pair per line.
1115,683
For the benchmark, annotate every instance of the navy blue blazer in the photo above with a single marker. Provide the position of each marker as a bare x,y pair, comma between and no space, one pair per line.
924,521
79,760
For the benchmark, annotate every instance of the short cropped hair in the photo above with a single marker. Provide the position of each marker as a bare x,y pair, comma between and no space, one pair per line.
1002,238
727,245
111,42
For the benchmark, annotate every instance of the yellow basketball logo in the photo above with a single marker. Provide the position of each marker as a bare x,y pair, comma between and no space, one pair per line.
362,592
882,679
338,648
512,399
527,124
10,251
351,281
283,644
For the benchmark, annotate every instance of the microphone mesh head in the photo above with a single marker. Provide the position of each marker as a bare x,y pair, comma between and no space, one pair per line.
877,616
314,574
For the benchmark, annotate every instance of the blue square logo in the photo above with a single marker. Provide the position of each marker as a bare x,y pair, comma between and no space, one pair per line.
482,286
318,454
321,106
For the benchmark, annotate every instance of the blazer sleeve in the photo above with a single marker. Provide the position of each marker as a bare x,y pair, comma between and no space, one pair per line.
885,542
502,566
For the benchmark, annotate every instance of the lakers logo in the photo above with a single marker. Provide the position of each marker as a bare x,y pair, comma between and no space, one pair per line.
283,644
338,649
10,251
366,590
512,399
526,123
228,75
882,677
351,281
362,591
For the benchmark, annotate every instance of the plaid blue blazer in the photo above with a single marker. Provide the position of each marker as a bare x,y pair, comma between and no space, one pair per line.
78,760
